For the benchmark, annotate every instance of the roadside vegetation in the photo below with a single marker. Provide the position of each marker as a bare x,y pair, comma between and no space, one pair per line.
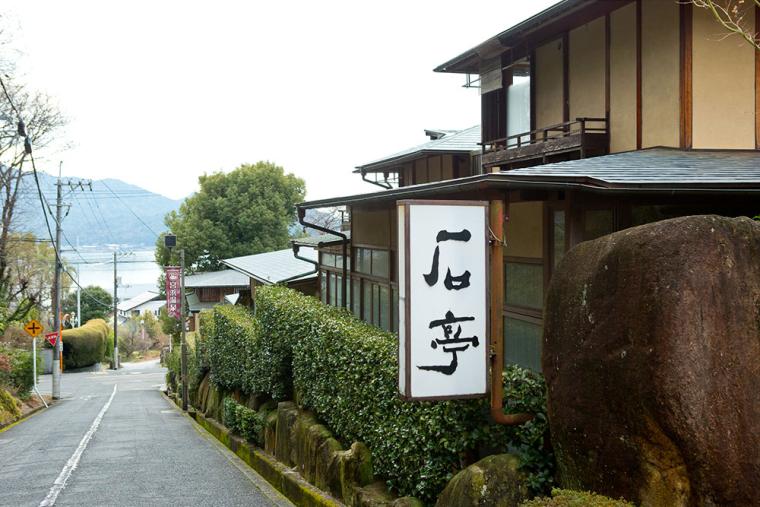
344,371
141,337
16,382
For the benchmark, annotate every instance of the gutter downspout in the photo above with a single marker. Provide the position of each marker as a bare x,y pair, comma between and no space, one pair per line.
496,219
302,220
296,248
386,186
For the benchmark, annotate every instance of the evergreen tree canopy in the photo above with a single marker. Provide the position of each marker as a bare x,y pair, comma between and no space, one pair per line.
93,301
244,212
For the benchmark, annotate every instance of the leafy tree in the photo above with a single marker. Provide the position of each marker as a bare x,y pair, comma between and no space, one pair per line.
41,121
169,326
27,278
96,303
244,212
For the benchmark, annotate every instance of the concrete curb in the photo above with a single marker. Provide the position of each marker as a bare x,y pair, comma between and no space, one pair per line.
283,479
26,416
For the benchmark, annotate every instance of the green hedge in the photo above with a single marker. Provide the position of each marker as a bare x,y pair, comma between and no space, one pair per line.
230,347
16,370
346,372
86,345
244,421
569,498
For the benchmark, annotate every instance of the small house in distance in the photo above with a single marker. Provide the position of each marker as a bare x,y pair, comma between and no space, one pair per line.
278,267
145,302
206,290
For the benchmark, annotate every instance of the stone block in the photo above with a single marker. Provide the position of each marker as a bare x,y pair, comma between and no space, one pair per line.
494,481
287,414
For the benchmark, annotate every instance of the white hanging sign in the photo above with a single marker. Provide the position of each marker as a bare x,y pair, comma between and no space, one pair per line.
443,299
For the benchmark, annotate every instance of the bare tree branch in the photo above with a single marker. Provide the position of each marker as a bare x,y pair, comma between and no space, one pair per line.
732,16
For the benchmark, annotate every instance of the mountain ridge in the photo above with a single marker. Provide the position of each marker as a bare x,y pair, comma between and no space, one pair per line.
103,214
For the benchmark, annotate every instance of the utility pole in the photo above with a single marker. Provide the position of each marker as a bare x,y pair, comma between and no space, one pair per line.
79,301
58,358
183,355
115,316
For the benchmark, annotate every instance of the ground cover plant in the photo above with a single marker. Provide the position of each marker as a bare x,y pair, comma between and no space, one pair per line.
16,371
344,370
569,498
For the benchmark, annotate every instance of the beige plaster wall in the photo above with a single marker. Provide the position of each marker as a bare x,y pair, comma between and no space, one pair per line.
723,86
524,230
660,91
370,227
549,84
623,79
586,70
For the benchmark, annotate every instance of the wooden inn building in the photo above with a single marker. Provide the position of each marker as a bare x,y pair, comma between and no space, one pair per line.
596,116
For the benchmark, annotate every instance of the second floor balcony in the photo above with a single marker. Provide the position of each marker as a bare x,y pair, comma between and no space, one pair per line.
579,138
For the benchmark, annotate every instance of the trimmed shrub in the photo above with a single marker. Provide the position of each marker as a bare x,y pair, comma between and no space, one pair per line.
205,330
346,372
86,345
16,370
568,498
173,369
243,421
231,346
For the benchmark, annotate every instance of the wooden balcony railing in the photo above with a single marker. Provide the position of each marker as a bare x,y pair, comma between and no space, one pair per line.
583,136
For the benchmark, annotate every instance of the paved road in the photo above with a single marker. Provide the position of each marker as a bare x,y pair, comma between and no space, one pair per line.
141,450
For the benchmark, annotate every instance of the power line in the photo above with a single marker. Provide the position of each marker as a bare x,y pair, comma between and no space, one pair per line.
130,210
43,203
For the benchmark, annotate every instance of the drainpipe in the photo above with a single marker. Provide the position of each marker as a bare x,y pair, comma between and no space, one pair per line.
302,220
296,249
496,212
385,185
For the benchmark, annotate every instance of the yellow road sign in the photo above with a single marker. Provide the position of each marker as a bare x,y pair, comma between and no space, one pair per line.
33,328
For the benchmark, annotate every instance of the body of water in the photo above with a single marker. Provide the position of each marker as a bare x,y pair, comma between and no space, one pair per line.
136,268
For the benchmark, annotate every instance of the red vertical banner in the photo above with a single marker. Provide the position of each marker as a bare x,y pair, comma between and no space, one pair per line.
173,302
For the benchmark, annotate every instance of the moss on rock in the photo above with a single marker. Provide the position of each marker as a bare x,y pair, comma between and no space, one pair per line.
492,481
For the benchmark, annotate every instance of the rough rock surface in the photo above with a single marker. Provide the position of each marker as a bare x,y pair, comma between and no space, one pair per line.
493,481
652,361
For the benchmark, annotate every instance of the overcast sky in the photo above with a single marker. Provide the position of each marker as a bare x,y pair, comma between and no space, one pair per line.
159,92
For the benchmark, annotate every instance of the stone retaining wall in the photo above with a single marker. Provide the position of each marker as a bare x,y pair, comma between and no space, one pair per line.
300,457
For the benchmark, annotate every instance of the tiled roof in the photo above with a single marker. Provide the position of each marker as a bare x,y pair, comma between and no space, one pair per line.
462,141
151,305
195,305
656,166
274,267
223,278
136,301
654,170
321,240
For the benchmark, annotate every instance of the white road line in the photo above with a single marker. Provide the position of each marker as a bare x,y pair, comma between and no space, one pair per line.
73,461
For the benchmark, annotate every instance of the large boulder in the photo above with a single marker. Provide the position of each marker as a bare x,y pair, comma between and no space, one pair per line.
652,362
494,481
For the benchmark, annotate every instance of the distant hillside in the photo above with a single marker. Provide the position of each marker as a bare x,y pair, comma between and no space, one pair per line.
98,217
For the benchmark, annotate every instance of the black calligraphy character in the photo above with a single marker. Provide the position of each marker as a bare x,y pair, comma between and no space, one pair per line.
450,344
451,282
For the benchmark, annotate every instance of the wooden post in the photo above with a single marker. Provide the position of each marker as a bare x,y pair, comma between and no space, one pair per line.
496,223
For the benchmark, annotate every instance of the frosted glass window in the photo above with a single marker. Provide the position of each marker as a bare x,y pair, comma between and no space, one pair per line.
524,285
356,301
385,311
518,107
522,343
558,236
